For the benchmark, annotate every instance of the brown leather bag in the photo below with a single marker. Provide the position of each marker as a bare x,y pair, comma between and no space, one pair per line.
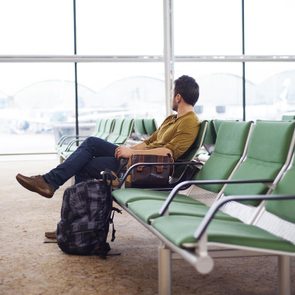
152,175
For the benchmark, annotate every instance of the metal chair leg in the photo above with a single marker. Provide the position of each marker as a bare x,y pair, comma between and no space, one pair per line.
164,269
284,275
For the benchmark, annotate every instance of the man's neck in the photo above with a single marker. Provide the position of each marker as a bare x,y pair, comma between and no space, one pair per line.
182,110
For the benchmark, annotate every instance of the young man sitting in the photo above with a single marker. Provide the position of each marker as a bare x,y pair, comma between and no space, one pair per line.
175,135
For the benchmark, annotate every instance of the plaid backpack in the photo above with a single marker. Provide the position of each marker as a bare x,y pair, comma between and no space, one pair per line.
85,217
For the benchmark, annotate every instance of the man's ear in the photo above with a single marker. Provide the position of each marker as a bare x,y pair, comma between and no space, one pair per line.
178,98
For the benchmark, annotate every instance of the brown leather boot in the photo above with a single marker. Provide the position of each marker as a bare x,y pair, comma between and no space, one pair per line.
50,235
36,184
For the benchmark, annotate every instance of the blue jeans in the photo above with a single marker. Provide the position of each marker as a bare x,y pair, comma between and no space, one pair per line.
91,157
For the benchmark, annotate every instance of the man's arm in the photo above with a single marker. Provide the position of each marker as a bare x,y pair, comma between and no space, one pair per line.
139,146
127,152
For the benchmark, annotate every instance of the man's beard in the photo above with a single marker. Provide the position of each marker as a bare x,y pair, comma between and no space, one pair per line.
174,106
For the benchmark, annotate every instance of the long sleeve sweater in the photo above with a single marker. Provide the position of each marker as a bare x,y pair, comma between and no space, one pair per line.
175,134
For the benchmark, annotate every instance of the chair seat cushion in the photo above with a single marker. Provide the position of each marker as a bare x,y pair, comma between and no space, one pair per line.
180,231
127,195
149,209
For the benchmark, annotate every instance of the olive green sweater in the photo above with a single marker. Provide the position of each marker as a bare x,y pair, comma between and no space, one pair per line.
175,134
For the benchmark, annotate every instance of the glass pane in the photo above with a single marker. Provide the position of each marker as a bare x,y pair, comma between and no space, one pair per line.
274,90
220,89
122,90
34,99
117,27
36,27
269,26
207,27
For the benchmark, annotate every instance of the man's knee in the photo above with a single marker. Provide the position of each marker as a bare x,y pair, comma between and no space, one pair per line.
99,147
91,140
93,143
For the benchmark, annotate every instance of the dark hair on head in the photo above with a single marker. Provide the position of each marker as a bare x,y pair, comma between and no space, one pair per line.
188,88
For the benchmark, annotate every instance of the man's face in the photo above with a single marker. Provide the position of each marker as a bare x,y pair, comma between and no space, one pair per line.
174,104
174,101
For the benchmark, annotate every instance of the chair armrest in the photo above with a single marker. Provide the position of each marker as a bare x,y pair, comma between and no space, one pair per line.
175,190
177,178
62,138
65,138
216,206
72,142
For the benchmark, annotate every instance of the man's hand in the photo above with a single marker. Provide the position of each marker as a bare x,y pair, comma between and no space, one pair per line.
123,152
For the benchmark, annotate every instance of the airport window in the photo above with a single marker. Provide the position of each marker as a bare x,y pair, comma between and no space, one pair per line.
207,27
36,27
269,27
34,98
126,89
113,27
201,28
37,99
224,100
274,90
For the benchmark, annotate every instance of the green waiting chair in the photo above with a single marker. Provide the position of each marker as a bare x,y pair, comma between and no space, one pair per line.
68,144
288,117
101,128
126,130
210,137
272,232
150,125
106,127
65,140
139,130
116,131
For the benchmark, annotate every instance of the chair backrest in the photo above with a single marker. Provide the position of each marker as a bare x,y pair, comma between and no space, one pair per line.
139,128
115,133
286,186
96,128
100,125
229,149
126,130
180,170
217,123
210,137
278,216
150,125
197,144
211,134
268,155
108,127
288,117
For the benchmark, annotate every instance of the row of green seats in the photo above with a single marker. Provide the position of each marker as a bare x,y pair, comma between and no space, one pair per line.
143,128
288,117
116,131
252,162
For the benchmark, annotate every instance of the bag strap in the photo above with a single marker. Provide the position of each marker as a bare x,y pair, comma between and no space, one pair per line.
114,209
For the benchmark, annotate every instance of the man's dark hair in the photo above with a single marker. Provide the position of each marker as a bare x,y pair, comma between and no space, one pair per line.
188,88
